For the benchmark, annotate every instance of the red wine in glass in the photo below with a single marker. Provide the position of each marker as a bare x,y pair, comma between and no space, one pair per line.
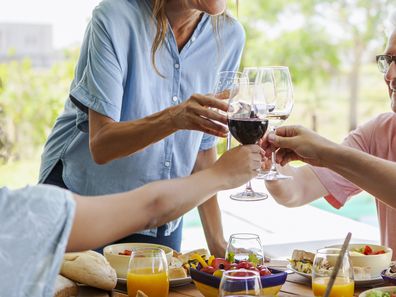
247,131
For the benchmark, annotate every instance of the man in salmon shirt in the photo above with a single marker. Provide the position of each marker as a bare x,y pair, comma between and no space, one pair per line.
376,137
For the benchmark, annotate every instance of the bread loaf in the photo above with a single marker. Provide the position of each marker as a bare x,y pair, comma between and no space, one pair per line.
64,287
177,272
89,268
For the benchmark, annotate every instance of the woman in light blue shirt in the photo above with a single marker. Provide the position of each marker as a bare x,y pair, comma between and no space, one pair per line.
37,224
135,115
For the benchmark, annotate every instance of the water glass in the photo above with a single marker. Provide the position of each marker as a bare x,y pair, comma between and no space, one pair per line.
245,247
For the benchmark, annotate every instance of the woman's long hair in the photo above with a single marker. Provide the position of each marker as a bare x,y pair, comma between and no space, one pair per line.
161,22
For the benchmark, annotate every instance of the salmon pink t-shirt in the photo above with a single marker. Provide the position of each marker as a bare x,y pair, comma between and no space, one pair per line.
376,137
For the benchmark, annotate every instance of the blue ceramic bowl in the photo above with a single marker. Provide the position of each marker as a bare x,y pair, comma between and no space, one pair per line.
209,285
388,279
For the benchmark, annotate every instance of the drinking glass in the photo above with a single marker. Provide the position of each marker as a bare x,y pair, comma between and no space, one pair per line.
240,283
148,272
279,108
322,268
226,84
247,123
245,247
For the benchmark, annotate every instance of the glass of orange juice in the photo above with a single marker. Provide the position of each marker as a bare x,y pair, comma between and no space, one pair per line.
322,268
148,272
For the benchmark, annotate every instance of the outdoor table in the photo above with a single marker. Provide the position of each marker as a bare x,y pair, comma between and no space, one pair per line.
295,285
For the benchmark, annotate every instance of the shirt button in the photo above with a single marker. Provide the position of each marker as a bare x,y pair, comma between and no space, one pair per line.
193,38
174,98
177,66
167,164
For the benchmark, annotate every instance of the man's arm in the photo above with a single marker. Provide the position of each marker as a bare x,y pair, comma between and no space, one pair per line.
303,188
209,211
374,175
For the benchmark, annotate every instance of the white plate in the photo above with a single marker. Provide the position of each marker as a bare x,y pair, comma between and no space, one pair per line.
381,289
358,282
175,282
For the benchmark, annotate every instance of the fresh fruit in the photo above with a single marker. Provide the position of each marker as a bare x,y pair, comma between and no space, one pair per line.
264,271
220,263
244,265
218,273
208,269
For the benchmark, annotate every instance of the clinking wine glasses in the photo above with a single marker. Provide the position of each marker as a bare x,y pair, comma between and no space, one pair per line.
247,123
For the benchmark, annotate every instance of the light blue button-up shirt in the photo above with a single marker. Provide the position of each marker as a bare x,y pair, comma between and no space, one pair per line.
114,76
35,224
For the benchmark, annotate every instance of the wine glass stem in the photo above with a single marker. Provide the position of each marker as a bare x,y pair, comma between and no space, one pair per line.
273,156
249,187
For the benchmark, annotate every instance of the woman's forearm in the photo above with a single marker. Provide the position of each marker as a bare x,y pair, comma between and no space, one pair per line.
104,219
374,175
126,138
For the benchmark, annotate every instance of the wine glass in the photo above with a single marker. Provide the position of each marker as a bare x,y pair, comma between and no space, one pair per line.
247,123
245,247
240,283
226,85
279,108
148,272
322,268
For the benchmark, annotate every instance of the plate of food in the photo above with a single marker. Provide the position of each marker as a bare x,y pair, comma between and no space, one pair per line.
301,263
380,292
179,263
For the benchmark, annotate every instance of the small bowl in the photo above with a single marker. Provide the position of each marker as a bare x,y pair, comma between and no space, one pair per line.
209,285
375,263
120,262
388,279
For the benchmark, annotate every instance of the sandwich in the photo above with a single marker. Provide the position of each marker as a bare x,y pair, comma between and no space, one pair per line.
302,261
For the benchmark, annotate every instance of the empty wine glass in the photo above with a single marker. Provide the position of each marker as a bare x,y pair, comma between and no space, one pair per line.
240,283
279,108
247,123
245,247
226,84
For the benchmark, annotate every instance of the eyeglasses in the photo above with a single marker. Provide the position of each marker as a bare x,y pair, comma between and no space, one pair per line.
384,62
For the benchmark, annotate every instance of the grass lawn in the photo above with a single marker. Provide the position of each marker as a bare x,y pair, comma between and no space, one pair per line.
20,173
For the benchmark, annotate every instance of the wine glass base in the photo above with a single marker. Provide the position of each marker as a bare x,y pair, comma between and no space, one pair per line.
274,176
262,174
249,196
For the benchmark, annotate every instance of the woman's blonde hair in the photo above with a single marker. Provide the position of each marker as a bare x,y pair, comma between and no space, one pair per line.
158,11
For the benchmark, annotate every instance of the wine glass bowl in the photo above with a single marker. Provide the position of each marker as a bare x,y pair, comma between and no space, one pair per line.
240,283
245,247
247,123
279,106
322,268
148,272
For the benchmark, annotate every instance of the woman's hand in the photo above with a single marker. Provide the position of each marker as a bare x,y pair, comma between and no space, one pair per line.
239,165
197,113
297,143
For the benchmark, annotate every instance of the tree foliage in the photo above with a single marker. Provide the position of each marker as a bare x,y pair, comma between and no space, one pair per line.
30,101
